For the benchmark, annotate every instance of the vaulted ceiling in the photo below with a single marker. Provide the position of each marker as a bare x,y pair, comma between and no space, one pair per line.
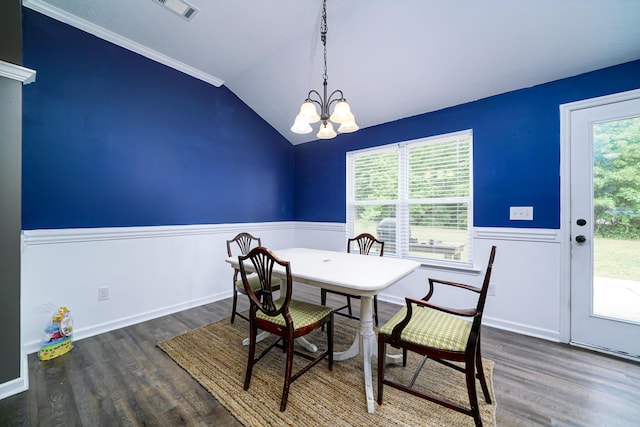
391,58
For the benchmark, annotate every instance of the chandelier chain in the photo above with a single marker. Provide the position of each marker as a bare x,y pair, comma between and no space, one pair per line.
323,37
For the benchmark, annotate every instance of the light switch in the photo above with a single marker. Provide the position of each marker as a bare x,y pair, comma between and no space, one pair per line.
521,213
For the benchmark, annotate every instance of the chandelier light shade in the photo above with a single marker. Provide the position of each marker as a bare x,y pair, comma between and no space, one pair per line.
341,114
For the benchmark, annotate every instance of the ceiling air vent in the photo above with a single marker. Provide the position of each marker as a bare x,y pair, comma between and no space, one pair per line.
179,7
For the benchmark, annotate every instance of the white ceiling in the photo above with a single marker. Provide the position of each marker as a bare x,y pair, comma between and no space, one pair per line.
391,58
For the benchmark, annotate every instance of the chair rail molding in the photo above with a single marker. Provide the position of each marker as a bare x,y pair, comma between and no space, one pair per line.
77,235
518,234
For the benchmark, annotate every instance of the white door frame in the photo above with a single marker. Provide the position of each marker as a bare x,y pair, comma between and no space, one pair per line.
565,199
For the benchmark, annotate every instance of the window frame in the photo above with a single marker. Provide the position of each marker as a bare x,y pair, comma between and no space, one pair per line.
402,202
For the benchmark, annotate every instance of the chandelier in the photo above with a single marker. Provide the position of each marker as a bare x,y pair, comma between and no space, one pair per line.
341,112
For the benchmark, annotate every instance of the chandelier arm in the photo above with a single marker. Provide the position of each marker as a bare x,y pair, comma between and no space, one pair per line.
331,100
319,101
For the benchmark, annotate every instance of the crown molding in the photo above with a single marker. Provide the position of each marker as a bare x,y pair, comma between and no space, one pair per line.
100,32
16,72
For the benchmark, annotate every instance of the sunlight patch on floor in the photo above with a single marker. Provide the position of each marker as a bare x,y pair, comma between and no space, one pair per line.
616,298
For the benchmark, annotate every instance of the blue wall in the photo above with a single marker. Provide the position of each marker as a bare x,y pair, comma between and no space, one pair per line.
111,138
516,157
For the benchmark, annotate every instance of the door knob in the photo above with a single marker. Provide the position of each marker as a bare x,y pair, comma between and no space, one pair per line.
580,238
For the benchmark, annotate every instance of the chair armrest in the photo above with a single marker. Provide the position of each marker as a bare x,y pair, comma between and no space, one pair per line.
448,283
470,312
457,285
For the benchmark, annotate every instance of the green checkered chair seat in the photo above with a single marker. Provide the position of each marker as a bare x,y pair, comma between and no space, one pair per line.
431,328
302,313
254,282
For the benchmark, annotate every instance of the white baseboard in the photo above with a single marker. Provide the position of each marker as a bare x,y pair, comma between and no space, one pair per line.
79,334
546,334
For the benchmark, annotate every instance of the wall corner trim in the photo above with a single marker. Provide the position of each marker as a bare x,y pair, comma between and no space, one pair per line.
16,72
19,384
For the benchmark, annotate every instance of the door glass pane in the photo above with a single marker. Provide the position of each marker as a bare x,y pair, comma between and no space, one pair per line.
616,203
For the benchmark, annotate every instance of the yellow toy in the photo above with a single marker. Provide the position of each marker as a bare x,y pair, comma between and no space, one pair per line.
57,336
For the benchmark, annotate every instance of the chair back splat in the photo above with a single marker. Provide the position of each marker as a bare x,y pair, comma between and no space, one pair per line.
441,334
284,317
366,242
243,243
262,297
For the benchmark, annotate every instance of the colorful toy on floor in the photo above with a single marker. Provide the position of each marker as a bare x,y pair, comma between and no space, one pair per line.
57,336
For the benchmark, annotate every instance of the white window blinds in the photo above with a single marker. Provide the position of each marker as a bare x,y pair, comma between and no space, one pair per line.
415,196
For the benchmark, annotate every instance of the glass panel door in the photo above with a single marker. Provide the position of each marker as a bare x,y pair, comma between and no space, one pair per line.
605,226
616,192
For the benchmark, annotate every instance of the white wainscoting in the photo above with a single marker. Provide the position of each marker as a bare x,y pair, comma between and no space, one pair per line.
150,272
155,271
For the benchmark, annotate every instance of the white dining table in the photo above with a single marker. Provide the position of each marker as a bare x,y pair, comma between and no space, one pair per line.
351,273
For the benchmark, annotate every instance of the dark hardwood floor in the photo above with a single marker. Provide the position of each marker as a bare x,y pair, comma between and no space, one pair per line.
122,378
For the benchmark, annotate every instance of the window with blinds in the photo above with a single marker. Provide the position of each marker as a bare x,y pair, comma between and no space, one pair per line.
415,196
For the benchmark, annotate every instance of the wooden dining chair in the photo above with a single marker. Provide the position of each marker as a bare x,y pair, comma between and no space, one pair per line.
366,242
284,317
442,334
244,242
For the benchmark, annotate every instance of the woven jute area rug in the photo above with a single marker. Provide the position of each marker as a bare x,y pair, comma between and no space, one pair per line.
214,355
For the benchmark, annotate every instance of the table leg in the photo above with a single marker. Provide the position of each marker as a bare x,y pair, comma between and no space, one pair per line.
390,358
369,345
261,336
306,344
365,343
352,351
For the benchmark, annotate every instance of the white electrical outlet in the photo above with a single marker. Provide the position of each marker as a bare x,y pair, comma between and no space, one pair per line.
103,293
492,289
521,213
